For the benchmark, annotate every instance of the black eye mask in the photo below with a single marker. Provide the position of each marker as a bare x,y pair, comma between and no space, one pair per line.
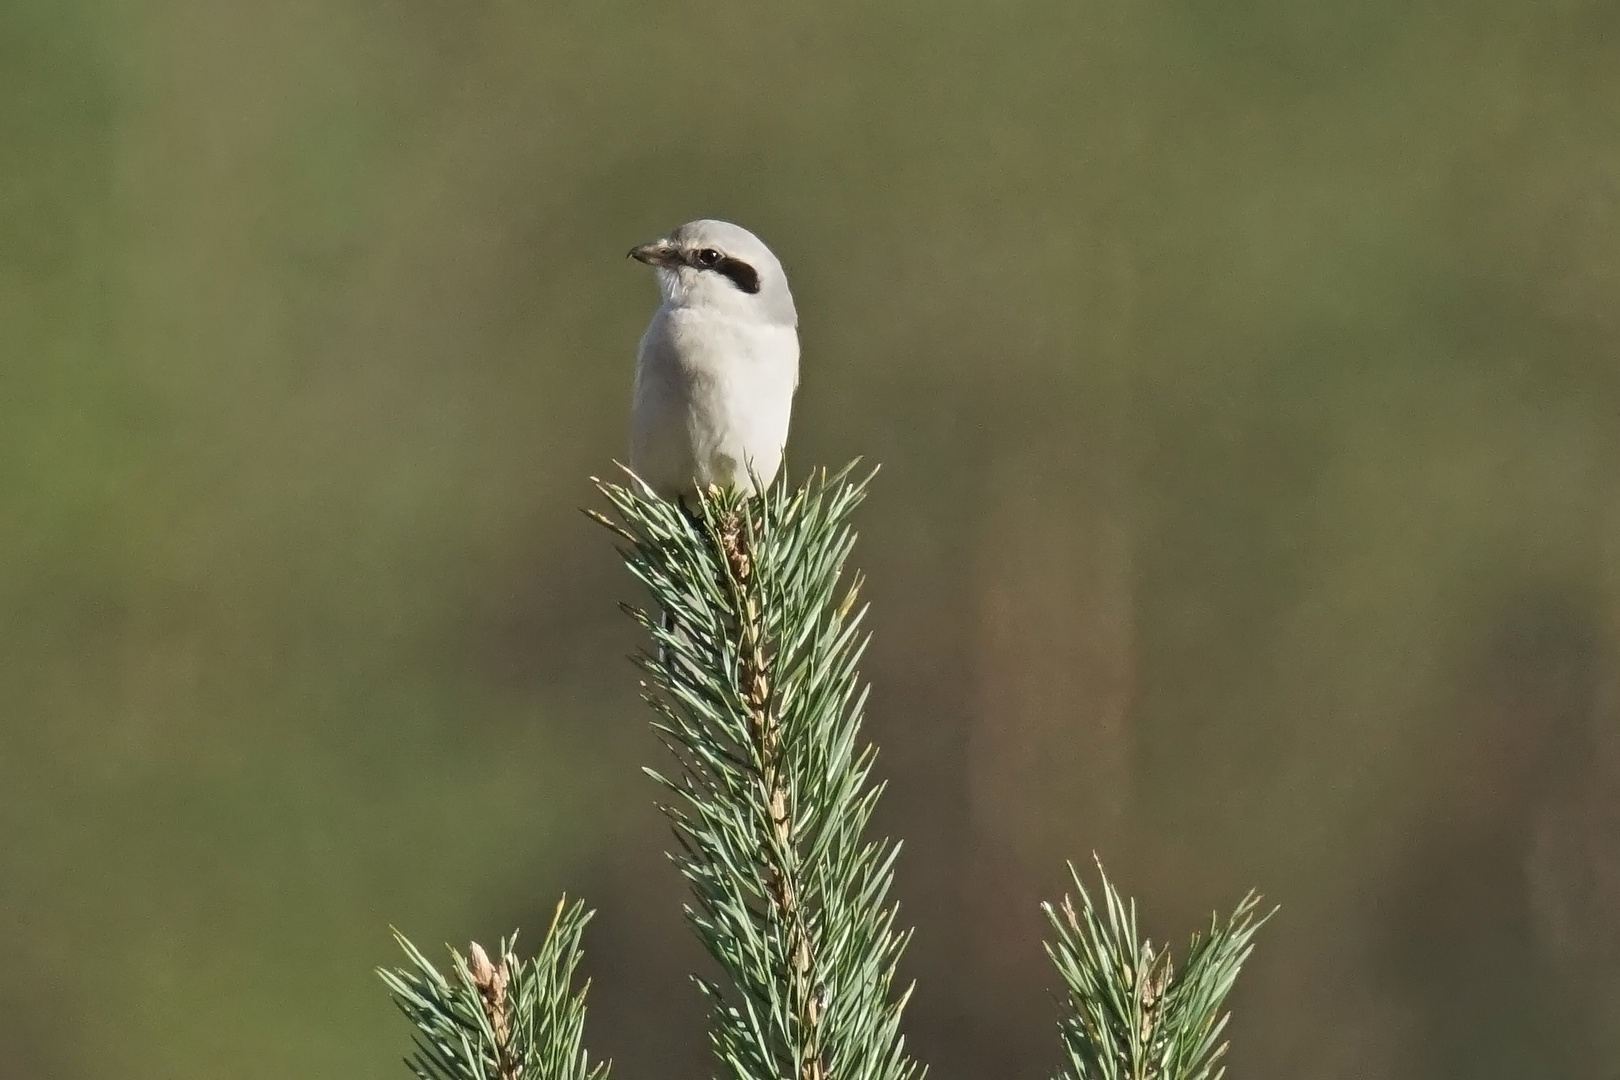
742,275
736,271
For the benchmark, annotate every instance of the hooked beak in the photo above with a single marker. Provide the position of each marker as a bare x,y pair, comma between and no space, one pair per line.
657,253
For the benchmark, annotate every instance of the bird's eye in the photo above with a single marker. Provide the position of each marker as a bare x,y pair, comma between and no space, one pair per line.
708,257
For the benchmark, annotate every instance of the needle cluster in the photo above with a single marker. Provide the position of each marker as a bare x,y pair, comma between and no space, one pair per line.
501,1018
752,676
1130,1014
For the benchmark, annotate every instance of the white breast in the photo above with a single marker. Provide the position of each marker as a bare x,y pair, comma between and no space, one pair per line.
713,397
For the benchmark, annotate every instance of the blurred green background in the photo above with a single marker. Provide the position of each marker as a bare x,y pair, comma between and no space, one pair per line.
1244,377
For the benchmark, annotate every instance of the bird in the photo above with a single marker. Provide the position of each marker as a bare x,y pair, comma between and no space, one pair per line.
718,366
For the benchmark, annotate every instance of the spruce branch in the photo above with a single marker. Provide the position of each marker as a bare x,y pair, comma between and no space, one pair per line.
1130,1015
753,682
504,1019
755,690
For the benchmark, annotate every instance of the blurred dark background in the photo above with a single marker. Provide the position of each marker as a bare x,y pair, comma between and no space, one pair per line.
1244,378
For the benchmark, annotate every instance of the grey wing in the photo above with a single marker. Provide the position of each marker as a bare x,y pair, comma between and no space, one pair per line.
660,442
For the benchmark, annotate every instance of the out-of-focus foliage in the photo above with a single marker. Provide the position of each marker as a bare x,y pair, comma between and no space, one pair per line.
1244,377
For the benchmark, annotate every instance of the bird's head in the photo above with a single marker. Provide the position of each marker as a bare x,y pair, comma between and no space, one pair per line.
721,267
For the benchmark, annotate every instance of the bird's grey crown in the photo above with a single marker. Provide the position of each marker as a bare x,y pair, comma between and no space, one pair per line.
745,261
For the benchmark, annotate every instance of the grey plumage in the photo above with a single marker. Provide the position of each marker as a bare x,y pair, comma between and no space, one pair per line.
718,365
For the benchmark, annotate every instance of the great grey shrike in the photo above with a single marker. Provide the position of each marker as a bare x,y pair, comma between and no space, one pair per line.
718,365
